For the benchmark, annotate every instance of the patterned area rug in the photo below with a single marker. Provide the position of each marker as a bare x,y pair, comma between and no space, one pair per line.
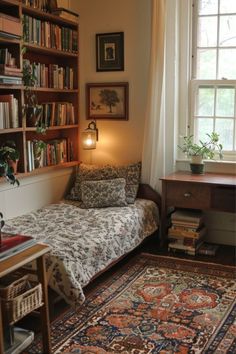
154,304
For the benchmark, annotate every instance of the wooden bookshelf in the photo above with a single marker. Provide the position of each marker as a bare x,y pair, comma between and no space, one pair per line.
47,56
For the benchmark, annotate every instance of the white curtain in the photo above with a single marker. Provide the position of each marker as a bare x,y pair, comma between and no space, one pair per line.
162,104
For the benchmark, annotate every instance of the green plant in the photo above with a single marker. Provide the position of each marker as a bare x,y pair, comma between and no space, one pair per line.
205,149
8,155
31,109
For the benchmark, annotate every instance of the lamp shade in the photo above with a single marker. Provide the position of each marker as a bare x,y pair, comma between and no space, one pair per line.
89,138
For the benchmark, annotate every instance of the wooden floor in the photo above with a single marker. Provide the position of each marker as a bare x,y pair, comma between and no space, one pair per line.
225,254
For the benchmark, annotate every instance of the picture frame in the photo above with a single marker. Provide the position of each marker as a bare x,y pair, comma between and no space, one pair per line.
107,100
110,51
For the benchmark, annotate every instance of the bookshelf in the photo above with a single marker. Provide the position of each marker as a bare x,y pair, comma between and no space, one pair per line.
55,55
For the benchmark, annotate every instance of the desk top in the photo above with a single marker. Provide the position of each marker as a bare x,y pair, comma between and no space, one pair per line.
206,178
18,260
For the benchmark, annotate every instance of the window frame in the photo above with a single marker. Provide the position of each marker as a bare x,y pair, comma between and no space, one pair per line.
195,83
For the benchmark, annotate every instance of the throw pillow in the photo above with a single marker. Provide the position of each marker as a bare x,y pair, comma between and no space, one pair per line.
104,193
131,173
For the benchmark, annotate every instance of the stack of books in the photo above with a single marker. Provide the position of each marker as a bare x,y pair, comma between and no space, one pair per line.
11,244
187,231
9,112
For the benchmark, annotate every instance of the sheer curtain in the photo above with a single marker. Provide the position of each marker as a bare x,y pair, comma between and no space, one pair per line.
162,104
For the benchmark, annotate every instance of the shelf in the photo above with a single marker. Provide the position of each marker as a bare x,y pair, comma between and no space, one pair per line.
22,339
47,169
11,130
49,89
38,49
11,87
47,16
55,127
9,40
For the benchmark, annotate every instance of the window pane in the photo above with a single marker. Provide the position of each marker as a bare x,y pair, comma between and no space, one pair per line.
227,60
205,103
227,6
206,64
224,127
202,127
227,31
225,102
207,32
207,7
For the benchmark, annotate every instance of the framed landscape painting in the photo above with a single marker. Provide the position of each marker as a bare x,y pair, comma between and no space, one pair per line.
110,51
107,100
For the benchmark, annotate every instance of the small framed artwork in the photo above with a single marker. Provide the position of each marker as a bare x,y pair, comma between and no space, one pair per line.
107,100
110,51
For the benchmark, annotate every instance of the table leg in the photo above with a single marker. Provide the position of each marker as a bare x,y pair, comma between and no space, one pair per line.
45,323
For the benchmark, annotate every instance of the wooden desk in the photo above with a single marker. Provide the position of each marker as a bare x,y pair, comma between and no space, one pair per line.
210,191
36,252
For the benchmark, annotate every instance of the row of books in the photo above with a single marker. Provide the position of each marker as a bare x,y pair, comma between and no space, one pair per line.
43,5
6,58
58,113
187,231
52,75
9,112
49,35
52,153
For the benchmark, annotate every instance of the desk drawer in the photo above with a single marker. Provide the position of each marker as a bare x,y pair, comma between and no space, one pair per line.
188,195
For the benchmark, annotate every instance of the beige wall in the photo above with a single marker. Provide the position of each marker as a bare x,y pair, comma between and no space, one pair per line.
119,141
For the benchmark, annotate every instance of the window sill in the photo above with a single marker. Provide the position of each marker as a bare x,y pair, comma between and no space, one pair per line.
217,166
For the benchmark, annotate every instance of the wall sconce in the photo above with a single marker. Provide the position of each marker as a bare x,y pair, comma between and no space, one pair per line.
90,136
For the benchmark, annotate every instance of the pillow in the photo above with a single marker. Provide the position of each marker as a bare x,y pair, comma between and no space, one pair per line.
131,173
104,193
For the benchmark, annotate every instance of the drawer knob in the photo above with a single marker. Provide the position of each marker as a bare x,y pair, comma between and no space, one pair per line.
187,195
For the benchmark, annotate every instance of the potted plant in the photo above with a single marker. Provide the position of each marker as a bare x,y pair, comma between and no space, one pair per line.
202,150
31,109
9,157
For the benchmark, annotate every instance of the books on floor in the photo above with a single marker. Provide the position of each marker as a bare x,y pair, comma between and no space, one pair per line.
208,249
11,244
187,231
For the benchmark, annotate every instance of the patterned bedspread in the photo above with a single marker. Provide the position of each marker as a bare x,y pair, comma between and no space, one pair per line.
85,241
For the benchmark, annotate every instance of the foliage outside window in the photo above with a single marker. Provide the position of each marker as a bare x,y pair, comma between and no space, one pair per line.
213,83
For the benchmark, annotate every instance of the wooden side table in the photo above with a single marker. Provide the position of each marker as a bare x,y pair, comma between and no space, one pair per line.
210,191
36,252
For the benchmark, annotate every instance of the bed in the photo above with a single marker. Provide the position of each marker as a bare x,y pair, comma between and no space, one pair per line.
86,241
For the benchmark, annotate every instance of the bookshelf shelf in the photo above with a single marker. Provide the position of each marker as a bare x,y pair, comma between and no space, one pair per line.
39,49
47,16
9,41
60,65
11,130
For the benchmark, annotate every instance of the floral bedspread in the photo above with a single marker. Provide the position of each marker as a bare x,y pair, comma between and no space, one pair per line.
85,241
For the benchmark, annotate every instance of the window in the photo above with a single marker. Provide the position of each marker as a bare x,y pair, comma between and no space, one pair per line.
213,84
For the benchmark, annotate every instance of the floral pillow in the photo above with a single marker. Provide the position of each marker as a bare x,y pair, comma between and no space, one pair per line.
104,193
131,173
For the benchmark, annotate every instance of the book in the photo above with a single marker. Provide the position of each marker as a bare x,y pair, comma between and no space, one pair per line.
190,216
190,233
14,243
208,249
191,250
65,13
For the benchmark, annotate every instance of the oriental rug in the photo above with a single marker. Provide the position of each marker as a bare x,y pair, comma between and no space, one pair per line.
153,304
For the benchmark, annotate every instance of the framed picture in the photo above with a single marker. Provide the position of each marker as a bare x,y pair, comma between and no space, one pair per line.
107,100
110,51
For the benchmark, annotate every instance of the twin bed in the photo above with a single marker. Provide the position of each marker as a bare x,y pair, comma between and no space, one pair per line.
86,241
